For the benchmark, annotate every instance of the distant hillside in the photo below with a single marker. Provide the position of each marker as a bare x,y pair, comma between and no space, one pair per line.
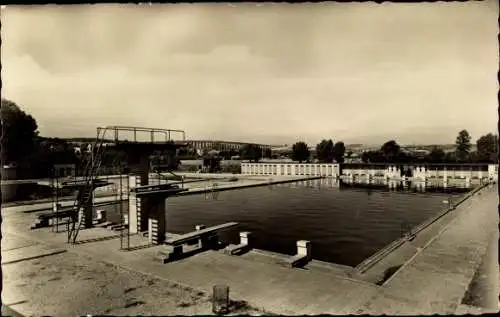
85,140
80,139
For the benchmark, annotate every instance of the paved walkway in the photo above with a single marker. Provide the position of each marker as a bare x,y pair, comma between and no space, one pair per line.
48,205
75,284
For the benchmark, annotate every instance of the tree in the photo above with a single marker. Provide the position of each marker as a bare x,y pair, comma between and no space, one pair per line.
474,157
183,152
112,157
487,148
463,145
372,157
267,153
450,157
233,153
212,163
225,155
338,152
300,152
436,155
48,152
365,157
19,133
251,152
324,151
405,158
390,150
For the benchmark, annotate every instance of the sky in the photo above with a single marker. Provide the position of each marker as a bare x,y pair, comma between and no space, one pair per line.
272,73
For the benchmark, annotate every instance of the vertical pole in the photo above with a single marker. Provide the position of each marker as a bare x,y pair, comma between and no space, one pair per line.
53,197
121,210
57,202
54,192
92,153
152,136
128,211
70,219
116,188
135,135
89,177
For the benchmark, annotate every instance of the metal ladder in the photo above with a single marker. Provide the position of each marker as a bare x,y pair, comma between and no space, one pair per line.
85,193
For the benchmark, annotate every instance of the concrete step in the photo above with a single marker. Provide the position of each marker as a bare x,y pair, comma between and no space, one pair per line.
114,225
234,249
163,256
295,261
36,225
163,259
119,227
105,224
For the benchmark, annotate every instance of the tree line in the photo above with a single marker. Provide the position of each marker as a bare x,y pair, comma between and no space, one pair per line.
22,145
486,152
391,152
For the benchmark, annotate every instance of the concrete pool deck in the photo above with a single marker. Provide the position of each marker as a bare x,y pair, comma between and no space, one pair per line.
428,282
271,288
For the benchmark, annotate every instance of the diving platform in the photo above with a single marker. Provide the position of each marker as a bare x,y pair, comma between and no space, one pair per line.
147,146
148,209
162,190
77,184
156,140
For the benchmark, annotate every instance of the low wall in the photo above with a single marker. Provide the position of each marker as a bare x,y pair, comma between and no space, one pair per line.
290,169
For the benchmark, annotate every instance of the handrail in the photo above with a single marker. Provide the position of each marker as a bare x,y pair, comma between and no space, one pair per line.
165,132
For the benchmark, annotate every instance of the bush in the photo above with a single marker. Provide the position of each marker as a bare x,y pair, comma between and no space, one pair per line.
192,168
188,157
233,169
188,168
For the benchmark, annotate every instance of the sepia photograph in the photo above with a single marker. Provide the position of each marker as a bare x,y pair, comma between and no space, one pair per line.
250,159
